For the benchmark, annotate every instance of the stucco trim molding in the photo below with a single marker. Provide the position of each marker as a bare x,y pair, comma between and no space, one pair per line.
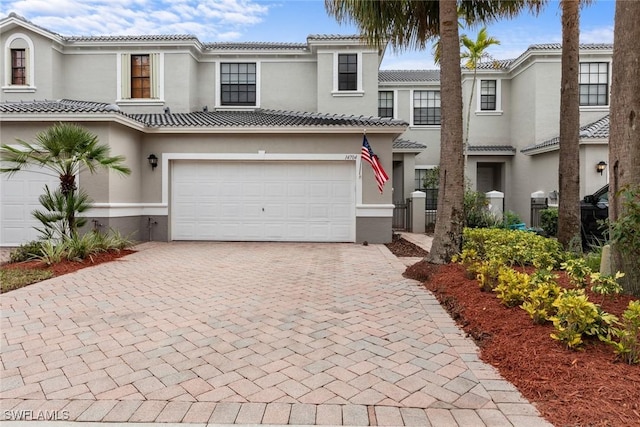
374,210
114,210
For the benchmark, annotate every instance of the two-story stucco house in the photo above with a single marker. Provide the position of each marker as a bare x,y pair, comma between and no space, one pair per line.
514,121
262,141
254,141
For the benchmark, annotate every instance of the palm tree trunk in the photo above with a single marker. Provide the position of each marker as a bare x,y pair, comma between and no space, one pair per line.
569,162
449,222
468,124
624,137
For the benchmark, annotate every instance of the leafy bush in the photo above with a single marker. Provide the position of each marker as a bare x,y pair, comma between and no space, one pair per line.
539,302
487,273
576,316
628,345
549,221
625,237
513,247
511,218
605,284
513,287
25,252
52,253
476,211
577,271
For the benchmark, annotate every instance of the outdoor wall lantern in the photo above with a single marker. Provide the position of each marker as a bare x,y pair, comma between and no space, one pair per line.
601,166
153,161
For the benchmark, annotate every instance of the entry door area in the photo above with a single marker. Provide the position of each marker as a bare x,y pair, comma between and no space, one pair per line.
301,201
19,194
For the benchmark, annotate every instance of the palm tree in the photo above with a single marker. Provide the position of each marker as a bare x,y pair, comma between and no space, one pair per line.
65,149
474,54
410,24
624,137
569,156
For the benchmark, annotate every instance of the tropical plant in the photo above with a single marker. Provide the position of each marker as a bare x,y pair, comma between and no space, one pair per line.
628,345
577,271
625,232
549,221
411,23
65,149
60,216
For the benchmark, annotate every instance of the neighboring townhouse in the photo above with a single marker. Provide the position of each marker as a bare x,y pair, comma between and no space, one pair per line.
262,141
514,122
254,141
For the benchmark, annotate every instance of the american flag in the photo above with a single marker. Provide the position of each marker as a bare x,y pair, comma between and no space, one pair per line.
372,159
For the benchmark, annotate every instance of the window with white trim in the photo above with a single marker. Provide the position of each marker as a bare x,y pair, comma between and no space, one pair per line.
594,83
238,83
385,104
426,107
141,76
19,64
488,95
347,71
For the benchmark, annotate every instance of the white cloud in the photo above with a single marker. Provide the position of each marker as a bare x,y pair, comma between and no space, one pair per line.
209,20
597,35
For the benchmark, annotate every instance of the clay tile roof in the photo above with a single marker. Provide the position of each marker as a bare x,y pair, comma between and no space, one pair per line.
595,130
491,148
408,76
403,144
255,46
58,106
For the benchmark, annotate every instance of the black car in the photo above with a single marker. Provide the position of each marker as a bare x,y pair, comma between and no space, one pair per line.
594,208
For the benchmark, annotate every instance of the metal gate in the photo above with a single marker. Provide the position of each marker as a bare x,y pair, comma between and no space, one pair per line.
402,216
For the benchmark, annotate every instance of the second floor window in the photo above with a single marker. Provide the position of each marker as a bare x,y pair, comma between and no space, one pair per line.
348,71
426,107
18,67
594,83
385,104
487,95
238,83
140,76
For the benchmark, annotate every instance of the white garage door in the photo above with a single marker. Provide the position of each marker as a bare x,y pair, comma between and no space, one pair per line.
263,201
19,194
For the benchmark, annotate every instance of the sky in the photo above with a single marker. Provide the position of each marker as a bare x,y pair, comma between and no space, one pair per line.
283,21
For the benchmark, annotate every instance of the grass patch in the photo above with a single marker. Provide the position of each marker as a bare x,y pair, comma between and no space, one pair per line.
11,279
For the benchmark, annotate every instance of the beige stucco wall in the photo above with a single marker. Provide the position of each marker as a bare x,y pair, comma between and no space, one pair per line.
289,85
90,77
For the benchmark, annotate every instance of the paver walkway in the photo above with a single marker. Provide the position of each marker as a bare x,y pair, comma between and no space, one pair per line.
246,333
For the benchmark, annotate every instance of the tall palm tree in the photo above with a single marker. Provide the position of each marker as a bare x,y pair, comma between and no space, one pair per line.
473,54
410,24
569,156
65,149
624,139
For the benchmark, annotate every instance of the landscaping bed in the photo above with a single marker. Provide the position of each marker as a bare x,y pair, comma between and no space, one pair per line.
570,388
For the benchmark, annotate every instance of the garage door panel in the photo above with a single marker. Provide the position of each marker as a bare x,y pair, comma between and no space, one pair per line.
19,194
275,201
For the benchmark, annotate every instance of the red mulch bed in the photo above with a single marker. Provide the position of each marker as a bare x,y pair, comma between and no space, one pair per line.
570,388
67,266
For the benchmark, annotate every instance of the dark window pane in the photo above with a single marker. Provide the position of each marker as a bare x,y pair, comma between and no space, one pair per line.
238,83
348,71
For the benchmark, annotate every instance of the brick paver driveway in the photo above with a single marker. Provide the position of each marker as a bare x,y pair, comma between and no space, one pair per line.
270,333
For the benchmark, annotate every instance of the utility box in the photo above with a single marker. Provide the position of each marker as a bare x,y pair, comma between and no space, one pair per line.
496,203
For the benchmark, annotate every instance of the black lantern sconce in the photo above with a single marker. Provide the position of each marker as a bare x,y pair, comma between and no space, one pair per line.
153,161
600,167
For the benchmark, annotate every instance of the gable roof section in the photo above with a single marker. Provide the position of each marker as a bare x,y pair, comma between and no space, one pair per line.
408,76
595,130
206,121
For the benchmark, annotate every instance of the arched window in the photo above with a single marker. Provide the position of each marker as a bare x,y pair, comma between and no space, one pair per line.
19,64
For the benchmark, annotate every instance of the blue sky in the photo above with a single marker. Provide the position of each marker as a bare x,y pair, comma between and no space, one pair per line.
281,21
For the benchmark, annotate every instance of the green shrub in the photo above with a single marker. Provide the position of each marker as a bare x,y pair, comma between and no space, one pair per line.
469,259
52,253
27,251
513,287
487,273
628,345
606,285
513,247
539,302
476,211
577,271
576,316
511,218
549,221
